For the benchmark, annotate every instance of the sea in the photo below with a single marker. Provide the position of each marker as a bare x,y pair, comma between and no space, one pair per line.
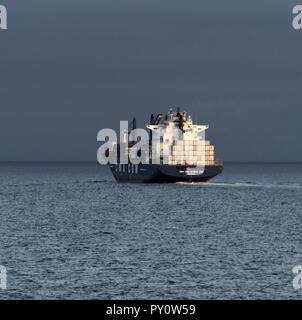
69,231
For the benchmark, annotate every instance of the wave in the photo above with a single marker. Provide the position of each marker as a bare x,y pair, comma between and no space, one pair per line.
243,185
49,183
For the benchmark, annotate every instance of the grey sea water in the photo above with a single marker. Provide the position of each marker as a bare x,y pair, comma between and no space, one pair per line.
69,231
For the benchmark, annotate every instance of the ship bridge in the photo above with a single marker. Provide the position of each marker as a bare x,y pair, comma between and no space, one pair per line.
180,140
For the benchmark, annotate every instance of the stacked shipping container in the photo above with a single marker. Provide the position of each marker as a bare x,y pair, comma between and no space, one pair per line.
192,152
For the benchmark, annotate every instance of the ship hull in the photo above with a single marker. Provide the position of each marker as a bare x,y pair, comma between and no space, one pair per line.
155,173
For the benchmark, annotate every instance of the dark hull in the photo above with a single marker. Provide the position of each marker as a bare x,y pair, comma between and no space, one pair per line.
154,173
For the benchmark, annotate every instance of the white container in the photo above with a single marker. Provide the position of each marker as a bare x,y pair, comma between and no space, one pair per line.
191,163
179,143
209,148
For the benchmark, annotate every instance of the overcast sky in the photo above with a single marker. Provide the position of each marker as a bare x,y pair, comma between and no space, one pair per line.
70,68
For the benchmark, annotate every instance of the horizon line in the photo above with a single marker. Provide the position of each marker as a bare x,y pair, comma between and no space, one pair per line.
95,162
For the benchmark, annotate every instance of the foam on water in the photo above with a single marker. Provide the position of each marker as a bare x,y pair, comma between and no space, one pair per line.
240,185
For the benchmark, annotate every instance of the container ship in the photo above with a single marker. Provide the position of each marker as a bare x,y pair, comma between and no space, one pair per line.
189,158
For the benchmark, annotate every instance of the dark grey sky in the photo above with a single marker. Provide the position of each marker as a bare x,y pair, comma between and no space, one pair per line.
69,68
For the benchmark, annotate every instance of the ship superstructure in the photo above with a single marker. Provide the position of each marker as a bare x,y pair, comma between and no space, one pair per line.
190,146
